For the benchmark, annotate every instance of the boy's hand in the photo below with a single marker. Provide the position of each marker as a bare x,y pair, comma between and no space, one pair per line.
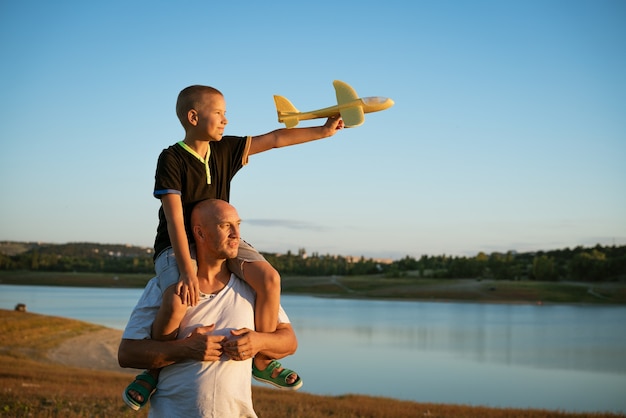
188,289
333,124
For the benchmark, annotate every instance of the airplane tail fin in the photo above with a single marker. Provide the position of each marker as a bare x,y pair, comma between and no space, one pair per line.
352,116
283,106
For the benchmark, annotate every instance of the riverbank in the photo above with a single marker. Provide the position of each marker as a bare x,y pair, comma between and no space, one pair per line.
375,287
60,367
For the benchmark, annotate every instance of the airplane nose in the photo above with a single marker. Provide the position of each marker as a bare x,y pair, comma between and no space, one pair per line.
377,103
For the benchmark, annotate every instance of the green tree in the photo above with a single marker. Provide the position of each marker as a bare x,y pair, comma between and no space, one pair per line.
589,266
34,261
543,268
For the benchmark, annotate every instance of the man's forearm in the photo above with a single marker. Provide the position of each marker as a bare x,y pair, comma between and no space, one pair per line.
280,343
149,354
154,354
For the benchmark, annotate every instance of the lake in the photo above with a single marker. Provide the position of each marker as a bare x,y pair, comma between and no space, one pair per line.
564,357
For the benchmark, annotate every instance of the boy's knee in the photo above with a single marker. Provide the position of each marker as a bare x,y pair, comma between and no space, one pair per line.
271,274
268,276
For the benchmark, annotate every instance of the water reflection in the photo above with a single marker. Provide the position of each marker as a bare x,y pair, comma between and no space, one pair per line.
553,357
555,337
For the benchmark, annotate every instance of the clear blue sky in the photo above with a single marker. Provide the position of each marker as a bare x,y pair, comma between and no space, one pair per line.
508,132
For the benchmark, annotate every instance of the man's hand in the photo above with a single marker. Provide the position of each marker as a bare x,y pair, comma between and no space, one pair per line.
203,345
244,344
188,289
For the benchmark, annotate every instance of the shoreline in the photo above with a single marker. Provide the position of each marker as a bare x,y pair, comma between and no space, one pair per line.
377,288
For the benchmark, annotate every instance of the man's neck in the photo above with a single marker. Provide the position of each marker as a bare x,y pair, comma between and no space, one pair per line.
213,276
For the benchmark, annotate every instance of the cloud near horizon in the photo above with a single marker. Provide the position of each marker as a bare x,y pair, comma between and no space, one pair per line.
284,223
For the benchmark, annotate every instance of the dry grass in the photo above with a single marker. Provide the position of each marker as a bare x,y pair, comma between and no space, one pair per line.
37,389
33,386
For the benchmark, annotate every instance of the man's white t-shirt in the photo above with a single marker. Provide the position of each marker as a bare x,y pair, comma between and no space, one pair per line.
220,389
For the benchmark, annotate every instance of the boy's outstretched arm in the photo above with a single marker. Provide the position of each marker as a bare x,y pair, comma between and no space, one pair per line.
286,137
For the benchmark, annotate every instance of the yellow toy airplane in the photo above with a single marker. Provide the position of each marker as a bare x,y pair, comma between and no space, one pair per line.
349,106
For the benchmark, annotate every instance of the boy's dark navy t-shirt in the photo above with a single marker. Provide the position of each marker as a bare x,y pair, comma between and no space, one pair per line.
181,171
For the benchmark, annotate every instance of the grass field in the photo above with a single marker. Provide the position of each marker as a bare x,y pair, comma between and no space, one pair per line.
32,385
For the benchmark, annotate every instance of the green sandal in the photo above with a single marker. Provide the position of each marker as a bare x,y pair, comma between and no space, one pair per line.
279,381
141,389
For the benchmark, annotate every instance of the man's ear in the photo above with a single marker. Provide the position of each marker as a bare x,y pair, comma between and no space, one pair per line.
198,232
192,117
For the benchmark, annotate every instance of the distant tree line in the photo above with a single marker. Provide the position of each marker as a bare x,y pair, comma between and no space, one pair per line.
599,263
77,257
580,264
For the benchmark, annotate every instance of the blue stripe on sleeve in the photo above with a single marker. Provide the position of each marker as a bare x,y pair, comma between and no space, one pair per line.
159,193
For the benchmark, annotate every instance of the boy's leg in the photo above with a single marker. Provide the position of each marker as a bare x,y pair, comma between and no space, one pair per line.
165,326
265,280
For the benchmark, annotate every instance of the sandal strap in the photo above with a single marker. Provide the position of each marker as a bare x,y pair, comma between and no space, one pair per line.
143,391
147,377
270,367
285,374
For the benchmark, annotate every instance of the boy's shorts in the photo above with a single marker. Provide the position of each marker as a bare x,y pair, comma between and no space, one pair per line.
167,269
247,254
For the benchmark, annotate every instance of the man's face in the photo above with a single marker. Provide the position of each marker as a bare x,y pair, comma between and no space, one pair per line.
223,232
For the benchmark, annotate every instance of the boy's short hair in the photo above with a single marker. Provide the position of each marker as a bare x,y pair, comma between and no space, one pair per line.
189,98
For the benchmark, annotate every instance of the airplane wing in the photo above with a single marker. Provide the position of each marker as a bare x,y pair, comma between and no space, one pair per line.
352,116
